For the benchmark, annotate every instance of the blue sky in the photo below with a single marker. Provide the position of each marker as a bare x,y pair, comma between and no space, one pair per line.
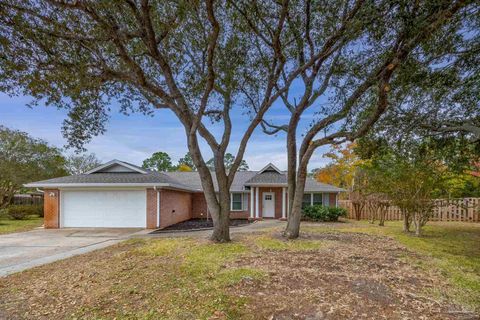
135,137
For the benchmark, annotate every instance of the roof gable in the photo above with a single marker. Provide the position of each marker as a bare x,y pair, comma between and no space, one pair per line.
116,166
270,168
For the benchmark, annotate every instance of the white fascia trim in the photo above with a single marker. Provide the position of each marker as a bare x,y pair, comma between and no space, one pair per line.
88,185
110,163
270,165
267,184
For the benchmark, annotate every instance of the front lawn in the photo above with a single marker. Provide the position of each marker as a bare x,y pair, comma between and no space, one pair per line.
335,271
8,225
452,248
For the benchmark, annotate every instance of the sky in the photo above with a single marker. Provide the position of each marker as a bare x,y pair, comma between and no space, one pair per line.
135,137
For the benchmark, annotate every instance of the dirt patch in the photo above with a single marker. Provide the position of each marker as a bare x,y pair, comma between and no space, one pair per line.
354,276
199,224
358,277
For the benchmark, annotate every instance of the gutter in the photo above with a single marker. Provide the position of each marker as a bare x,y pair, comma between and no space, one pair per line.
102,185
158,205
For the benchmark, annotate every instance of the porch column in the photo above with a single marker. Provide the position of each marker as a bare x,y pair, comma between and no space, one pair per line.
252,214
257,191
283,203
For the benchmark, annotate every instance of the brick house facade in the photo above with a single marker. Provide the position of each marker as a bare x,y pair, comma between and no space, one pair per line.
119,194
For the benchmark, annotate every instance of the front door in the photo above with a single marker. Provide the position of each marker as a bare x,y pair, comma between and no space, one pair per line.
268,207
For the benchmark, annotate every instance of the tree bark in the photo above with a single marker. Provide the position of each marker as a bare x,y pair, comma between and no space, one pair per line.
219,208
221,221
418,229
292,230
382,216
406,221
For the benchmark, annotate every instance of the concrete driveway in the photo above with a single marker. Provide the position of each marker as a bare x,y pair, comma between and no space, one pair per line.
24,250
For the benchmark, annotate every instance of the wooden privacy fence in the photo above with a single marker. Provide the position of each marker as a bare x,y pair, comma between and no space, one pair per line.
465,209
30,199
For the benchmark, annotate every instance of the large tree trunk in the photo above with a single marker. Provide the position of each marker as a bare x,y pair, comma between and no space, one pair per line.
293,226
221,219
219,208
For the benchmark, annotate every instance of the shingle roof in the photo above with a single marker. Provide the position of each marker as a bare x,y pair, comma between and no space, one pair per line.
181,180
193,179
246,178
312,185
151,178
268,177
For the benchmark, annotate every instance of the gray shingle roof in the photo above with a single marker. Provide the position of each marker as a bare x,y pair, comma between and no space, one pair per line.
268,177
312,185
181,180
150,178
193,179
246,178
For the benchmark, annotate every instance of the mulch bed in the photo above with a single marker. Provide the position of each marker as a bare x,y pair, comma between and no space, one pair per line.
199,224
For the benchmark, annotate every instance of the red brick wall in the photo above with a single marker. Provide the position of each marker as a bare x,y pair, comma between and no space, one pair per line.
151,208
199,206
51,208
175,206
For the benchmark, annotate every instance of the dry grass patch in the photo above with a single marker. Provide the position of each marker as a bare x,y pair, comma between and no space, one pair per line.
323,275
449,248
156,279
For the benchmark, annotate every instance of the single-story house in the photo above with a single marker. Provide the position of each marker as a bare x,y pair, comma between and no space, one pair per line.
119,194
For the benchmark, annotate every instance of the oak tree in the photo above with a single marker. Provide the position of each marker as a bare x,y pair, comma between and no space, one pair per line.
369,49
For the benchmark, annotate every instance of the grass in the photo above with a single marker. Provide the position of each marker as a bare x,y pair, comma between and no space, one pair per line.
332,268
453,248
8,225
196,278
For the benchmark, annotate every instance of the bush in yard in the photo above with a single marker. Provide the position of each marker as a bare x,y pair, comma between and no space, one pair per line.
21,212
37,209
321,213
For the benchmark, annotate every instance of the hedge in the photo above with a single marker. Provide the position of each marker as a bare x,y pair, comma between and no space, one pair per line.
22,211
321,213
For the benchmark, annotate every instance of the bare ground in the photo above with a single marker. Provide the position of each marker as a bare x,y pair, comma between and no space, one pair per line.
350,276
356,276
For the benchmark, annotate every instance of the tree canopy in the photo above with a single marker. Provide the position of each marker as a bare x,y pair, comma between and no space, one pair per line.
228,161
25,159
81,163
187,161
159,161
203,60
341,169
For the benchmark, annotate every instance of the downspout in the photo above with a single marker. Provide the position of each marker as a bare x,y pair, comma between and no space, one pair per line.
158,205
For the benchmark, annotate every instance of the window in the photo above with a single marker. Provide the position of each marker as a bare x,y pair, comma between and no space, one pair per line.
326,200
307,200
237,202
317,199
268,197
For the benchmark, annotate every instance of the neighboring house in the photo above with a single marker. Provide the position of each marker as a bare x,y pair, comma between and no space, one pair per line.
119,194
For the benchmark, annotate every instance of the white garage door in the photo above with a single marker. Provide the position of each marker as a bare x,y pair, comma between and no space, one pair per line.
107,209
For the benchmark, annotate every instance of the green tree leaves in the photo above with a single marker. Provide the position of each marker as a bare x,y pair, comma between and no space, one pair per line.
24,159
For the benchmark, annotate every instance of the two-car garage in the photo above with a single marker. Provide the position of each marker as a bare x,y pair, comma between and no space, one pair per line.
103,208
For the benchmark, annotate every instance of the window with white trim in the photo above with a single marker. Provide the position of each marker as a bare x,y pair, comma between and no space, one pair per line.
307,200
237,202
317,199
